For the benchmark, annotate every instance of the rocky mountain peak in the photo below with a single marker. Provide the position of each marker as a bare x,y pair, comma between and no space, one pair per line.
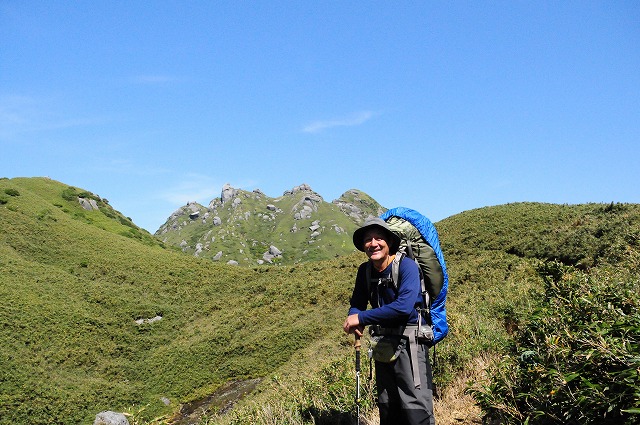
228,193
253,228
301,188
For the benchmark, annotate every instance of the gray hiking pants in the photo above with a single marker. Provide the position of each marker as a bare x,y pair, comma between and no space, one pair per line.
399,401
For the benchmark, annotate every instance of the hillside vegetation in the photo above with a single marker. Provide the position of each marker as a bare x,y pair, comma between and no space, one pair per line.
74,283
550,292
96,314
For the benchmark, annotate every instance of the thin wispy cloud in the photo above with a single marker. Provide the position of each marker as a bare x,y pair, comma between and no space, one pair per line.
350,121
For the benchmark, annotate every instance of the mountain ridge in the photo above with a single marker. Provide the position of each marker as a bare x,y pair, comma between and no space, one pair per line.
251,228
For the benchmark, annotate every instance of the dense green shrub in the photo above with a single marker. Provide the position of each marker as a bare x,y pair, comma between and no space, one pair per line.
12,192
577,361
70,193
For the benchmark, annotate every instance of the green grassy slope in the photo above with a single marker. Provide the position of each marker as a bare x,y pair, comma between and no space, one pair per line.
494,254
497,258
71,293
74,282
574,358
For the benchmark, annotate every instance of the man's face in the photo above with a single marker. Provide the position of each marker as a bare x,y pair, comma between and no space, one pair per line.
375,244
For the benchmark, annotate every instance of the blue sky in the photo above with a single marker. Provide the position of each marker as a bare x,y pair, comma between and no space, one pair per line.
438,106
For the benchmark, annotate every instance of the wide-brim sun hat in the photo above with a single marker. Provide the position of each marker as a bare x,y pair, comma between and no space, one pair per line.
372,222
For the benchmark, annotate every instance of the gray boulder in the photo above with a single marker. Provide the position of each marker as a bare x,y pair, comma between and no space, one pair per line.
88,204
108,417
274,251
267,257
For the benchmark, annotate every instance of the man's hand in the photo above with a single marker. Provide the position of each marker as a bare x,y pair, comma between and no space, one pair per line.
352,325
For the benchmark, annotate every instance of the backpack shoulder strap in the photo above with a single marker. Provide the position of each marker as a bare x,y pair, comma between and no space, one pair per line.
395,273
395,268
372,286
368,277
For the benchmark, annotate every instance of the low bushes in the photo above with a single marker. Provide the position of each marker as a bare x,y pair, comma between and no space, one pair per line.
577,360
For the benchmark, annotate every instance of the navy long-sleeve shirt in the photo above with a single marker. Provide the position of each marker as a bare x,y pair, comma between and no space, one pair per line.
395,308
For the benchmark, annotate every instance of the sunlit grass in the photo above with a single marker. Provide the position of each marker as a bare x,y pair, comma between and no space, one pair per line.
74,282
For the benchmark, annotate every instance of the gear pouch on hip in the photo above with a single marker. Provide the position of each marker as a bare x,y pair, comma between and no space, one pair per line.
386,348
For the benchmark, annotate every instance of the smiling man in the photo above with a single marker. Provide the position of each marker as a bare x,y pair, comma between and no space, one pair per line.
403,372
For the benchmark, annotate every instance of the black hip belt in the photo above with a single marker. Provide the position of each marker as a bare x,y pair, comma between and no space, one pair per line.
393,330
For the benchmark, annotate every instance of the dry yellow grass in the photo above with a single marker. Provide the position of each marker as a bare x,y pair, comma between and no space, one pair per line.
456,407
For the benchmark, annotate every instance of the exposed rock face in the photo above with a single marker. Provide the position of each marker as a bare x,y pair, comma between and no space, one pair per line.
88,204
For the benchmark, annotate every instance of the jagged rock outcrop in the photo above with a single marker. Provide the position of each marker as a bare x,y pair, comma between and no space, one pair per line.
228,193
245,227
273,252
303,187
358,205
88,204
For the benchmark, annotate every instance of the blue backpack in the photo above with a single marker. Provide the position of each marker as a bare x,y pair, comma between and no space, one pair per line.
420,242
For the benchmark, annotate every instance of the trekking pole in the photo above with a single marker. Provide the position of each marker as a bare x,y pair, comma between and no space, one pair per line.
356,345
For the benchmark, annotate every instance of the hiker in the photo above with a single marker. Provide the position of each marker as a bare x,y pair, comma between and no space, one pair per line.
403,371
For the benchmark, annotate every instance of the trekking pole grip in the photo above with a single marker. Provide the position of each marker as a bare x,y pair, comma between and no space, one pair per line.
357,345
